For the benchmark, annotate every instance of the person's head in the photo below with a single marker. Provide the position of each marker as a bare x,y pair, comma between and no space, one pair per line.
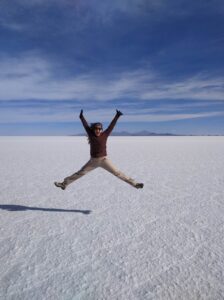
97,128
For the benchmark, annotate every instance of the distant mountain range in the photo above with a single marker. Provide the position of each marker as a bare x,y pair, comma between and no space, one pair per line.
139,133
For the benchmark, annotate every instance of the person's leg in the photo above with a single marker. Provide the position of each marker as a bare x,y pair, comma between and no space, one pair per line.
89,166
107,165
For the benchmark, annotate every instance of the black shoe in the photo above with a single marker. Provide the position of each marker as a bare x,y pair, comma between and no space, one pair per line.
60,184
139,185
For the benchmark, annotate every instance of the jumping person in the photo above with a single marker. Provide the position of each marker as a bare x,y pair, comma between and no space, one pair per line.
98,139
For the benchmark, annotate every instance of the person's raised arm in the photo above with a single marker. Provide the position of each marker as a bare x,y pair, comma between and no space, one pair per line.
113,122
84,123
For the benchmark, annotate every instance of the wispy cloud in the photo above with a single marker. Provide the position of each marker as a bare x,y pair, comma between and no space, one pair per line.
84,13
12,25
32,77
66,113
106,7
198,87
147,115
171,117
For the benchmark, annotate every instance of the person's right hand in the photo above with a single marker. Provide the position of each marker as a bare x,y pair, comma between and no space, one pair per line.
119,113
81,113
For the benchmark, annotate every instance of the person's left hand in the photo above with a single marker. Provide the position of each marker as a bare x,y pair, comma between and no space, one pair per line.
119,113
81,113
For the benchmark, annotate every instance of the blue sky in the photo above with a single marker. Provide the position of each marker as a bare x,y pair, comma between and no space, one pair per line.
160,62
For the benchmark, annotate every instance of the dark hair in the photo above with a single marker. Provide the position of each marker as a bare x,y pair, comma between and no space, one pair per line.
93,126
97,124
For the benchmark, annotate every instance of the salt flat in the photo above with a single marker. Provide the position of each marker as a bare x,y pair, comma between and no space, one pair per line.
103,239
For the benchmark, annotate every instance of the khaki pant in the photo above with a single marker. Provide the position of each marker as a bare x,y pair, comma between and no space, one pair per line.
94,163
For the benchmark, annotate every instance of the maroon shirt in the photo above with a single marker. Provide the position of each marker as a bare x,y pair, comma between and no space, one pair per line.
98,147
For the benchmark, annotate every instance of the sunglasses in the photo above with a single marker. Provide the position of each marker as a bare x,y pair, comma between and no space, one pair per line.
98,128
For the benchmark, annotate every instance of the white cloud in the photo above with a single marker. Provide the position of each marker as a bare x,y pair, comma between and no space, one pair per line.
171,117
86,12
146,115
198,87
109,8
53,114
12,25
32,77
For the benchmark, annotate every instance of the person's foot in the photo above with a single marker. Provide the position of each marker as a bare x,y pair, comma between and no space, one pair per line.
60,184
139,185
